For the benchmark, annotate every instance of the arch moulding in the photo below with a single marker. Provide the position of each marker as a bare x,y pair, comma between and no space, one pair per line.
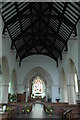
38,71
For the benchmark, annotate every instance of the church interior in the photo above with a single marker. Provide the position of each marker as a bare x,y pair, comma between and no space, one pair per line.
40,60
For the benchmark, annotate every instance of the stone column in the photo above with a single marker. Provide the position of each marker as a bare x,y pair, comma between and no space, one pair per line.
79,49
71,94
27,93
62,94
55,93
0,88
0,35
79,58
5,93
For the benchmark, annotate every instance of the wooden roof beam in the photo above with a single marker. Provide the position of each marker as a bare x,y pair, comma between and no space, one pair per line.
18,14
60,22
63,41
4,30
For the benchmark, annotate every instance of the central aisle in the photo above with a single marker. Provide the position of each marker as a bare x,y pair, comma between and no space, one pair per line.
37,112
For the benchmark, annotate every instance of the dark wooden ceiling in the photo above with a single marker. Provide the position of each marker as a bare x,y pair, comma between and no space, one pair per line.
39,27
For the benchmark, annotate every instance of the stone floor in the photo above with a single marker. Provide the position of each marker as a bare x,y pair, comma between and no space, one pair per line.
38,112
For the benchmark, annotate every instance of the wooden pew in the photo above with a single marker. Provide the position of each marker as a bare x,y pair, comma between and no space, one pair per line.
67,114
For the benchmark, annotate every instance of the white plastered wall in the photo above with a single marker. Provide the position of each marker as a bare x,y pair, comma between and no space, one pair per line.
73,55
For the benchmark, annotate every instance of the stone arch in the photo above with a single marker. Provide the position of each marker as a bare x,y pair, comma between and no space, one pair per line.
13,82
63,87
70,82
5,79
38,71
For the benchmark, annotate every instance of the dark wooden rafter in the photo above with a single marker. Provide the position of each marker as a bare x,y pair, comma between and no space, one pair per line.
15,17
76,20
60,22
48,49
31,18
10,35
25,33
39,22
4,29
18,14
65,19
61,57
40,53
66,47
40,28
54,32
12,46
55,17
49,17
16,56
75,32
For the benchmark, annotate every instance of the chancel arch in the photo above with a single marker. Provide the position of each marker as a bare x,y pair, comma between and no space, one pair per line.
44,75
72,82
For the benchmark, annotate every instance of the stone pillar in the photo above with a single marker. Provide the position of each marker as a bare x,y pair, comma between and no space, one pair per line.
79,49
62,94
5,93
55,93
27,93
0,35
71,94
0,88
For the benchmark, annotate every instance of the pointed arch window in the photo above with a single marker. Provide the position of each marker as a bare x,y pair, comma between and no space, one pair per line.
76,82
38,85
9,91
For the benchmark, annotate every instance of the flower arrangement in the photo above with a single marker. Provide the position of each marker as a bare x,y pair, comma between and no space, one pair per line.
27,109
12,98
7,109
23,110
49,110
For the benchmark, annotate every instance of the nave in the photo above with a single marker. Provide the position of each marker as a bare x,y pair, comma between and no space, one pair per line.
42,110
37,112
40,60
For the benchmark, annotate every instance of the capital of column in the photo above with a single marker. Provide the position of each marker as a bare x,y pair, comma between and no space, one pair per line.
70,85
5,85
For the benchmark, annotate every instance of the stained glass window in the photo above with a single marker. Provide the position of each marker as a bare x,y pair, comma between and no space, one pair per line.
38,87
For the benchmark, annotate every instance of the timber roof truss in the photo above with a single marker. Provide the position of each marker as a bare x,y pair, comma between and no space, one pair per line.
40,27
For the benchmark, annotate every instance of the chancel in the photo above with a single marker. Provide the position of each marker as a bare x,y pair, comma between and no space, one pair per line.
40,60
